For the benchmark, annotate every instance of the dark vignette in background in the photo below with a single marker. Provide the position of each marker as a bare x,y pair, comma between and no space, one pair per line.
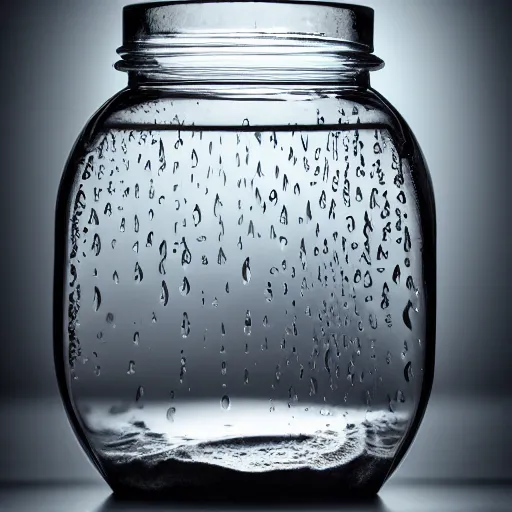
447,71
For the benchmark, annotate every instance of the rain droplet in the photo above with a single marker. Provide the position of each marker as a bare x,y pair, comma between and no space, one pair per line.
136,338
110,319
131,368
223,369
139,394
246,376
283,241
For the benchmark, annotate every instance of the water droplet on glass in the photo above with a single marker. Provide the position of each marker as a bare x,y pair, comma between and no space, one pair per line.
136,338
283,218
221,257
313,386
170,414
225,403
139,275
408,375
139,394
185,287
96,245
96,299
247,323
131,368
185,326
196,215
110,319
246,271
164,294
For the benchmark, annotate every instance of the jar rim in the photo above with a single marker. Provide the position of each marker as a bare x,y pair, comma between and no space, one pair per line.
330,22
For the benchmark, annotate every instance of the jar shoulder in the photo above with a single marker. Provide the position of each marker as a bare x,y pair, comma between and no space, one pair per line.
343,108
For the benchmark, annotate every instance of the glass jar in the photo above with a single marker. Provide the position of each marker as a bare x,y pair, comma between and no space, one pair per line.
245,257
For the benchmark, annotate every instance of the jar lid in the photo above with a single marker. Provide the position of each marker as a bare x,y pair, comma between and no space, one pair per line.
277,20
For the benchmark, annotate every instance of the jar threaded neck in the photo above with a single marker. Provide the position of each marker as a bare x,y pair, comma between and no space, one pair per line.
247,42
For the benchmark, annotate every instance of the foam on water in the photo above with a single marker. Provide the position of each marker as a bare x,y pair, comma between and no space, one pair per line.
249,437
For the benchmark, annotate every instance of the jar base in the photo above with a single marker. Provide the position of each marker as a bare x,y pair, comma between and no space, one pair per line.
359,480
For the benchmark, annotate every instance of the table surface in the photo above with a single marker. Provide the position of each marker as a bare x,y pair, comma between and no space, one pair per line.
396,496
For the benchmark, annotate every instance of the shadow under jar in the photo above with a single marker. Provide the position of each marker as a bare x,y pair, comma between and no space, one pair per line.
245,258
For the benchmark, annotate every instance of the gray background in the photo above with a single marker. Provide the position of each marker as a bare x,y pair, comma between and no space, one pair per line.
447,73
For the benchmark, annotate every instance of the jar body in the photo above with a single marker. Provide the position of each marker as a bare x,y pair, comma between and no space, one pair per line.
245,288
